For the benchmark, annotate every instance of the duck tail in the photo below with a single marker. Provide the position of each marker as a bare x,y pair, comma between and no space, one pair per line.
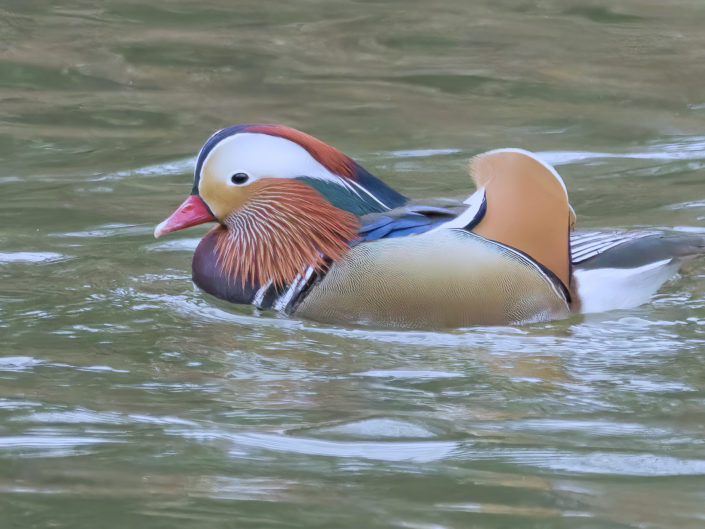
623,270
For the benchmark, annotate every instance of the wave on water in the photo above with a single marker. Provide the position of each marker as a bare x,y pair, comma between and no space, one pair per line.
30,257
688,148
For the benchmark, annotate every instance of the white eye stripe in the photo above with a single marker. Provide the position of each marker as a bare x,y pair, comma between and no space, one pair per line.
262,156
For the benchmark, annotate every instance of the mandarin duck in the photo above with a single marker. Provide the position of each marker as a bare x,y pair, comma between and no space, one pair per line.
305,230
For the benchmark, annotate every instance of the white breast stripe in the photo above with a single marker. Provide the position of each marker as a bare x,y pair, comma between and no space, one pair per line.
259,296
296,285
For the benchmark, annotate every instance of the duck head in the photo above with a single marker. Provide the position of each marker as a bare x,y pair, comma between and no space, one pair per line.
283,200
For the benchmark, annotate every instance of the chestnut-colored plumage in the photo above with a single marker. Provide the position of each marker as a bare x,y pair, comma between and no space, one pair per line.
285,227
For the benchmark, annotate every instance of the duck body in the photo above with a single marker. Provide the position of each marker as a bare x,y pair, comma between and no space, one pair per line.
504,285
305,230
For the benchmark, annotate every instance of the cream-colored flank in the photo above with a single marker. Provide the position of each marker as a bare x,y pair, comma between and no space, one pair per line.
449,278
452,278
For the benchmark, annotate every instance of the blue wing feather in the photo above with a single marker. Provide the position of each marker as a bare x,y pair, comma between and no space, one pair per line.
376,223
379,233
408,220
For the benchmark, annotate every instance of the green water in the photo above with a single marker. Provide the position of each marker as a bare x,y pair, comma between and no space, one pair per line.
130,399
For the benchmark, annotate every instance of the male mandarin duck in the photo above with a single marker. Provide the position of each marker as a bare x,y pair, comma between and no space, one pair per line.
305,230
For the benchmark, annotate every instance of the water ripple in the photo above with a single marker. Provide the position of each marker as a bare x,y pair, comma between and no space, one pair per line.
18,363
407,374
420,452
49,445
378,428
176,167
688,148
624,464
31,257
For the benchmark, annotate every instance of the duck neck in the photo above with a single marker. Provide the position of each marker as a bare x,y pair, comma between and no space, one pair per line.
359,195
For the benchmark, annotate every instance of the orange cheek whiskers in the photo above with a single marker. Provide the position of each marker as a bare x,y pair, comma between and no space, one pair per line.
285,227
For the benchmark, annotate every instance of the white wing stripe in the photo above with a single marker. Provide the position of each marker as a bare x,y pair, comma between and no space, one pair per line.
586,245
474,203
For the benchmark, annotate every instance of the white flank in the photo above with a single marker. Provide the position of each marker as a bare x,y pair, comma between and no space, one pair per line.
605,289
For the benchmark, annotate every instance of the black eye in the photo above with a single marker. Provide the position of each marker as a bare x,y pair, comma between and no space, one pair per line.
239,178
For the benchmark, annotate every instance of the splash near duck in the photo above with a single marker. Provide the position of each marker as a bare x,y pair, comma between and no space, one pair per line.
305,230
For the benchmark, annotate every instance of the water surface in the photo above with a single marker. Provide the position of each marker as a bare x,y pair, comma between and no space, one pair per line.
130,399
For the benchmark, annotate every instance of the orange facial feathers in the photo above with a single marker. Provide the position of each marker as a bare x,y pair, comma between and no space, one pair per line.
284,227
